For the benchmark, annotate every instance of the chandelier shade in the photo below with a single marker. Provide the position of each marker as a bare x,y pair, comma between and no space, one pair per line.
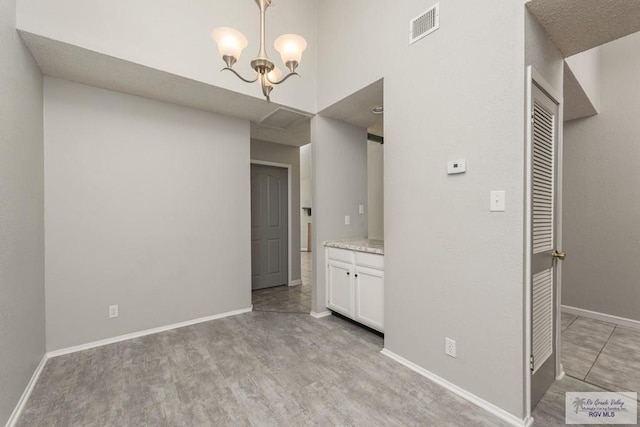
273,76
290,46
230,42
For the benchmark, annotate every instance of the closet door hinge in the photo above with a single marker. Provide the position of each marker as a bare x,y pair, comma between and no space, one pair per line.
531,364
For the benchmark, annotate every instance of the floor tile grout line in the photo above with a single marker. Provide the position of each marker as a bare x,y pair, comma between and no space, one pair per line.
596,385
569,325
600,352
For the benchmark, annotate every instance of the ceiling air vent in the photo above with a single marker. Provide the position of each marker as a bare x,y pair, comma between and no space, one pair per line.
424,24
282,118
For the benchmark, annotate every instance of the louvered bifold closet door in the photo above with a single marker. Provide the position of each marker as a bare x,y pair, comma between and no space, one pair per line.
542,322
542,172
543,178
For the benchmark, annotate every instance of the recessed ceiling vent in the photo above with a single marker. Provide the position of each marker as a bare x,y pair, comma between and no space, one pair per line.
424,24
282,118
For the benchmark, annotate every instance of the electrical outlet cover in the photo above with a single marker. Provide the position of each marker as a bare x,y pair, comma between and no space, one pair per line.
450,347
113,311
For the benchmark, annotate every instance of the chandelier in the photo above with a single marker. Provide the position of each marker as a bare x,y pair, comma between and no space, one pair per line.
290,46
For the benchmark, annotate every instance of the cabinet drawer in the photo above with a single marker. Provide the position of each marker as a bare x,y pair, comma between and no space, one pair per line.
340,255
370,260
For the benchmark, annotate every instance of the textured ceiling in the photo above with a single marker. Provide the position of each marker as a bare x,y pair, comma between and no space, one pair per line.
62,60
356,109
579,25
576,102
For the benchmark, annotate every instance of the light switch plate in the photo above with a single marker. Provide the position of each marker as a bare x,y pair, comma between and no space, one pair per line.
498,201
347,220
456,166
361,209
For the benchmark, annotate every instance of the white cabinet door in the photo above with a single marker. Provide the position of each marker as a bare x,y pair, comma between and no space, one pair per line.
340,289
369,298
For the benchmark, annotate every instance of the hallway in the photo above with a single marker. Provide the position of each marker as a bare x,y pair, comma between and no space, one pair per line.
287,299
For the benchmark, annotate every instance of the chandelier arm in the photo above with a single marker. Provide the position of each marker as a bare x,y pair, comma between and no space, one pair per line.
283,79
266,90
239,76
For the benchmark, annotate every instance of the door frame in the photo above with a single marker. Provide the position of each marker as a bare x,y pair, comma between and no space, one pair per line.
288,167
534,78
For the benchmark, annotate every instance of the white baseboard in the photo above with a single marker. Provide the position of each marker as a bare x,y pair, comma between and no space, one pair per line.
133,335
295,282
13,419
487,406
629,323
320,315
303,250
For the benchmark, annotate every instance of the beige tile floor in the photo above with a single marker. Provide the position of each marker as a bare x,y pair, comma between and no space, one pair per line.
287,299
601,353
550,411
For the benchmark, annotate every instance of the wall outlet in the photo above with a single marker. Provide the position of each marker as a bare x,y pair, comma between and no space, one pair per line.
347,220
113,311
361,209
450,347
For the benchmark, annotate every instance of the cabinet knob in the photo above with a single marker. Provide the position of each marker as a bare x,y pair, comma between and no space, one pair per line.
356,275
348,273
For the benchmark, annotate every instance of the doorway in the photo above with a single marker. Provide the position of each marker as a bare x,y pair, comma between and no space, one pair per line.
543,211
273,285
600,338
597,338
269,226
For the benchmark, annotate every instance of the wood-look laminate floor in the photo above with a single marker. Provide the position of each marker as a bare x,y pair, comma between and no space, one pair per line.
260,368
287,299
601,353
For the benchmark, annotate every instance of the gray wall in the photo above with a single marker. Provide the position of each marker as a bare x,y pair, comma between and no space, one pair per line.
601,191
176,40
542,53
147,206
305,193
339,186
375,189
586,68
279,153
22,330
452,268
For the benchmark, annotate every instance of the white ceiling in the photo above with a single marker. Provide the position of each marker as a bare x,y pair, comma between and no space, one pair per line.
69,62
356,108
579,25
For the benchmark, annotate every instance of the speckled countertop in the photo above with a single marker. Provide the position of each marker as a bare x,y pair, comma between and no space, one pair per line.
361,245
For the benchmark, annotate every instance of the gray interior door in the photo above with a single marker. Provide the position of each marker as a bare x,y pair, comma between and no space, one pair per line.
269,226
543,190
